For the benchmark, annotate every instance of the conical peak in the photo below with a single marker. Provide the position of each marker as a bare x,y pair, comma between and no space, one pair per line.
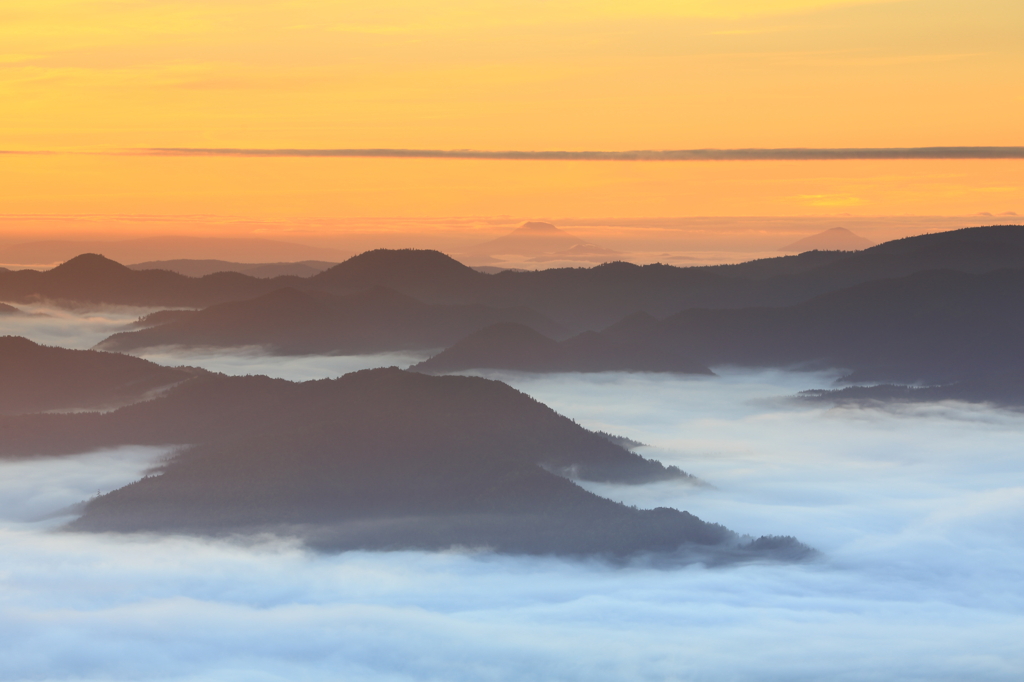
537,227
90,263
397,259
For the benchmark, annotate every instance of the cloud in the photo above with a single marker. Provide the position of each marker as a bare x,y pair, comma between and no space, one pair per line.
917,512
786,154
753,154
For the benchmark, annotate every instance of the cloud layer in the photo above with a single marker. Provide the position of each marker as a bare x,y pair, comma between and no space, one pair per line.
917,513
790,154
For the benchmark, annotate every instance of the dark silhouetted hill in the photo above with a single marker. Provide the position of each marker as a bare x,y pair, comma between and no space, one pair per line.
385,459
380,459
8,309
1003,387
936,327
518,347
932,327
427,275
91,279
293,322
579,299
36,378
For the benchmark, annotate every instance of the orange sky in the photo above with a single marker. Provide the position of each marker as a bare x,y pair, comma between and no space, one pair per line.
79,77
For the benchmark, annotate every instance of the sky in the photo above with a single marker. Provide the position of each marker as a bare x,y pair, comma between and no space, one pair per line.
92,87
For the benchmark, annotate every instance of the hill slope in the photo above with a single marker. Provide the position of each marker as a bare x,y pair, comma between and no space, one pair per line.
380,459
36,378
578,299
933,327
91,279
293,322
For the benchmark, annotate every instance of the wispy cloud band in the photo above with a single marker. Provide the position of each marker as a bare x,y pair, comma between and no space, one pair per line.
784,154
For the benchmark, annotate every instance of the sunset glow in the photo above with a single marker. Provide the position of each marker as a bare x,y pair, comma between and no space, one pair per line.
84,79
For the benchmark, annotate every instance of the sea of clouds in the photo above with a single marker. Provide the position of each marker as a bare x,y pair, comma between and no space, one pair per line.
916,510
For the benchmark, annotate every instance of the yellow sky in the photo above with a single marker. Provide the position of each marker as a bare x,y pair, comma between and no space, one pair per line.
105,75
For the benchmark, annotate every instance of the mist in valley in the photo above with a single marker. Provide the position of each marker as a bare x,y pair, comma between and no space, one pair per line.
916,511
78,328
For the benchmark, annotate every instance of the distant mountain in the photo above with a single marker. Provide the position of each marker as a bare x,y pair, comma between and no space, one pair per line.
293,322
835,239
94,279
577,298
201,268
1004,388
381,459
8,309
430,276
36,378
530,239
935,327
538,242
168,247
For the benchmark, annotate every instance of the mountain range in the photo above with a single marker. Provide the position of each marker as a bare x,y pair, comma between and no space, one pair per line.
579,299
939,327
292,322
139,249
200,268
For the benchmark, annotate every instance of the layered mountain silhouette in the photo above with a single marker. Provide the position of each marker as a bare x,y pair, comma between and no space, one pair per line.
163,247
35,378
293,322
835,239
380,459
934,327
200,268
1004,388
91,279
579,299
518,347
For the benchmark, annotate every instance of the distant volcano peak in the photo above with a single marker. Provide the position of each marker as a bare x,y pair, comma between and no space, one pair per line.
834,239
531,239
535,227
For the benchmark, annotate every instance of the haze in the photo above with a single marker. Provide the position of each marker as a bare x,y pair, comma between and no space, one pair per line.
94,87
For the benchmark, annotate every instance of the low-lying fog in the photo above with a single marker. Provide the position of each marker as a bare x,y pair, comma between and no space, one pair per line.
84,328
252,360
80,329
917,512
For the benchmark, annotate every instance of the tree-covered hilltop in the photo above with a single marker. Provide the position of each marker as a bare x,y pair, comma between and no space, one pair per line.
936,327
386,459
378,459
35,378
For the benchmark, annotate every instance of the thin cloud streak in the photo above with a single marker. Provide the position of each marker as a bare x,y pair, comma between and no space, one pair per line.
784,154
